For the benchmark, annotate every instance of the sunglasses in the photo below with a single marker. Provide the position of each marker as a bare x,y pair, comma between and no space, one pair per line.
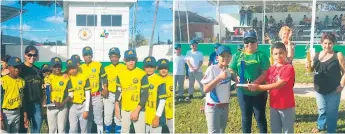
250,40
31,55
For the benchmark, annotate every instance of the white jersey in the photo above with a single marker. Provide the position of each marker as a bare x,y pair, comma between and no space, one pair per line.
221,93
179,65
194,59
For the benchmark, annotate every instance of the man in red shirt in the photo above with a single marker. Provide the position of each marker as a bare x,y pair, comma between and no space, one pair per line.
280,82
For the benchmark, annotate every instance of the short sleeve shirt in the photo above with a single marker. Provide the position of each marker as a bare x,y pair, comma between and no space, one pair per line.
221,93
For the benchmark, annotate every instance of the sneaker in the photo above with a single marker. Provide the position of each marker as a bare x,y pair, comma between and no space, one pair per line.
187,98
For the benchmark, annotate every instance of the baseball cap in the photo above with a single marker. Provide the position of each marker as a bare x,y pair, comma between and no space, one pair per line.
55,61
193,42
114,50
76,58
250,34
150,61
71,63
45,67
87,51
176,46
222,49
14,61
217,45
162,63
130,54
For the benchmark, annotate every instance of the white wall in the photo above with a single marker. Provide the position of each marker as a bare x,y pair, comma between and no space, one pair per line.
45,52
99,44
231,20
48,52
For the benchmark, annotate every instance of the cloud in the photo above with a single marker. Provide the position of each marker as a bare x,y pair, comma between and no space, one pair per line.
167,27
163,4
16,27
54,19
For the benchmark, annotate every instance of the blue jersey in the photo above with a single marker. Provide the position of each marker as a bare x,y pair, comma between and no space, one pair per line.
213,58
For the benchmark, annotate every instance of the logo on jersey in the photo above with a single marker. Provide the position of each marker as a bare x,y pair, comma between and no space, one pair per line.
151,86
21,91
93,69
135,80
80,82
61,83
171,88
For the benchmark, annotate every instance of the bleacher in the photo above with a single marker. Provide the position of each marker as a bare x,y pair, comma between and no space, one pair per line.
301,33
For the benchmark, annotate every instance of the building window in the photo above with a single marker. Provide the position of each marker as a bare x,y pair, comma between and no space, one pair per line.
86,20
111,20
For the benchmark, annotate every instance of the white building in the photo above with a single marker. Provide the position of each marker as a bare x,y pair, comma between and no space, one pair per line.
100,24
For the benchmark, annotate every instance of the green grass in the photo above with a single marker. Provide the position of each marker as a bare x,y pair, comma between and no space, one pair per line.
189,119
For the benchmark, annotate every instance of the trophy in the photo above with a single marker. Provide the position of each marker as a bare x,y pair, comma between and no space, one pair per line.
242,80
48,103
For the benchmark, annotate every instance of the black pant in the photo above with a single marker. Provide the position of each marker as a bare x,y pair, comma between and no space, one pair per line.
250,104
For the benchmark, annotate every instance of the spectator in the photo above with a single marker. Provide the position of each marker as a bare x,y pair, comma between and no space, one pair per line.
236,32
326,21
280,24
242,16
335,20
328,84
267,38
249,15
271,21
273,32
289,20
255,22
4,65
260,25
266,20
342,21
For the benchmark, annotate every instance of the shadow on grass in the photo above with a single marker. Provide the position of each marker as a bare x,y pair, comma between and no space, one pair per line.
313,117
303,90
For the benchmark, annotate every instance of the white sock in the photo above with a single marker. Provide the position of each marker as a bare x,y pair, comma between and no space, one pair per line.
100,129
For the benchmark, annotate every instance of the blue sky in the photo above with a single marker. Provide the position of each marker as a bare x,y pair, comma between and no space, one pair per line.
53,28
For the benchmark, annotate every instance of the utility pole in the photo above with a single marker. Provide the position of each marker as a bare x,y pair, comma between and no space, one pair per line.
153,28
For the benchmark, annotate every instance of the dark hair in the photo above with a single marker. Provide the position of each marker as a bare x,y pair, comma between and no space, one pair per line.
329,36
278,45
30,48
5,58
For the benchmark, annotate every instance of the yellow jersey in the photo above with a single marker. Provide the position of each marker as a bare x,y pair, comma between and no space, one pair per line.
111,73
78,85
131,83
93,71
169,101
13,92
58,87
156,92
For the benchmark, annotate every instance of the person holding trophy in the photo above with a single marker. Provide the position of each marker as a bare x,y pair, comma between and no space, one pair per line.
250,64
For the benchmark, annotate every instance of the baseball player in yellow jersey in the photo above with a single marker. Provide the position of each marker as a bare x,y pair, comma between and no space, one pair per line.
12,95
98,83
163,67
46,72
57,116
79,90
112,71
154,109
132,91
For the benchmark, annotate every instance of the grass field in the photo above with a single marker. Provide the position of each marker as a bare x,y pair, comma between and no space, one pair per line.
189,119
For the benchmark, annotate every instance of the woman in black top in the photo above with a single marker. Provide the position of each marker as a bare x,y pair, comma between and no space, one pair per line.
33,93
329,81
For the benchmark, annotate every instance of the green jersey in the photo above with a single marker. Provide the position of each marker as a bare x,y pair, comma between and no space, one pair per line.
254,65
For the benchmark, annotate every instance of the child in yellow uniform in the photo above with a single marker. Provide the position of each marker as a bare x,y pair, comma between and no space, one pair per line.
12,95
79,90
132,92
154,109
57,115
163,67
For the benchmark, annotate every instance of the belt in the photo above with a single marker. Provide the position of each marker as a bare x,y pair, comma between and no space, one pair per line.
220,105
10,109
95,94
